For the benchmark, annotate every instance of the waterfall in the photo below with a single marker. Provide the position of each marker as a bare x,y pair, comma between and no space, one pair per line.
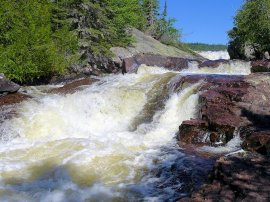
100,143
215,55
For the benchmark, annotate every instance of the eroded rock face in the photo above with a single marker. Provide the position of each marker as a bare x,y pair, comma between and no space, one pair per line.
7,86
219,114
130,65
230,105
258,142
260,66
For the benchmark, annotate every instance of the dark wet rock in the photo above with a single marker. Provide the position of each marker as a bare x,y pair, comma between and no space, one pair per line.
13,98
73,86
255,103
213,63
260,66
7,86
259,142
219,111
131,64
229,105
239,177
193,132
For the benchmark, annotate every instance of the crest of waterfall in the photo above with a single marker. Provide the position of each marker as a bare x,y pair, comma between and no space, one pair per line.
215,55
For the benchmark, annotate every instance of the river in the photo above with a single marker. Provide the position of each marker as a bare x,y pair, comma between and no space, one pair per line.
111,141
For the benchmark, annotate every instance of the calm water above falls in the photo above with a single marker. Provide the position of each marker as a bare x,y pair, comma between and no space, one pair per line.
112,141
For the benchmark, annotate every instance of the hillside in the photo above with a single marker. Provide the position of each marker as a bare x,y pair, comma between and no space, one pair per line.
146,44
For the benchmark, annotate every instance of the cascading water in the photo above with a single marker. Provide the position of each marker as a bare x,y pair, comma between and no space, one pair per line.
112,141
215,55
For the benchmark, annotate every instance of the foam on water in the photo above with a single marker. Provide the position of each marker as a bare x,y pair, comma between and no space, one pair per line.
85,145
215,55
99,143
233,67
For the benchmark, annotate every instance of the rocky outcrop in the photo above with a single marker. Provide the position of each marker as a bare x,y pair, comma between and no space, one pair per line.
213,63
239,177
131,64
7,86
258,142
73,86
219,114
260,66
12,99
230,105
145,44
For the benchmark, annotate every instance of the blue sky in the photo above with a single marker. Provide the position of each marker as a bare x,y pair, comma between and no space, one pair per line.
205,21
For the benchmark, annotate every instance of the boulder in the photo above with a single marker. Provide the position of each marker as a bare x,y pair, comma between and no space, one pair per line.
7,86
219,115
260,66
131,64
258,142
193,132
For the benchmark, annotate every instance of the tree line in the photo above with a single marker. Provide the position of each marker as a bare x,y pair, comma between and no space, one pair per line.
206,47
41,38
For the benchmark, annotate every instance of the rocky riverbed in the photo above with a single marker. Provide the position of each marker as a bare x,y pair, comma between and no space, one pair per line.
231,108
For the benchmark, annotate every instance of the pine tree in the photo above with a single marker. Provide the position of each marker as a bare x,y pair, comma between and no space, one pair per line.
151,8
165,10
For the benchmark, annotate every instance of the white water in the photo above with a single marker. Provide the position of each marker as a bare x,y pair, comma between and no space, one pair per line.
96,144
215,55
234,67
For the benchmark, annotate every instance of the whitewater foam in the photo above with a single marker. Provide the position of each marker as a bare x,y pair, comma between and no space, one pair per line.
215,55
100,143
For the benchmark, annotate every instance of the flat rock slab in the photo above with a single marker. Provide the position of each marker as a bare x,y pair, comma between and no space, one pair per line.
131,64
12,99
240,177
73,86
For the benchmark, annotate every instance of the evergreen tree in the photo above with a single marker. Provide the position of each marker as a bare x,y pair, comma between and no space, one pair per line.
27,46
252,28
151,12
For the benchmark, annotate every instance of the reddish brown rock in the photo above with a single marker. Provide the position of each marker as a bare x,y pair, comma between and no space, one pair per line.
259,142
11,99
237,178
193,132
73,86
218,109
213,63
260,66
131,64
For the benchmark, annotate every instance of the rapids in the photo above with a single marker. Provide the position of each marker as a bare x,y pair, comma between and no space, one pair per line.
111,141
215,55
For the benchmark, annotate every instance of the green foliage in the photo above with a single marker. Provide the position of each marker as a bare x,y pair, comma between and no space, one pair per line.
159,26
206,47
40,38
252,26
28,47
